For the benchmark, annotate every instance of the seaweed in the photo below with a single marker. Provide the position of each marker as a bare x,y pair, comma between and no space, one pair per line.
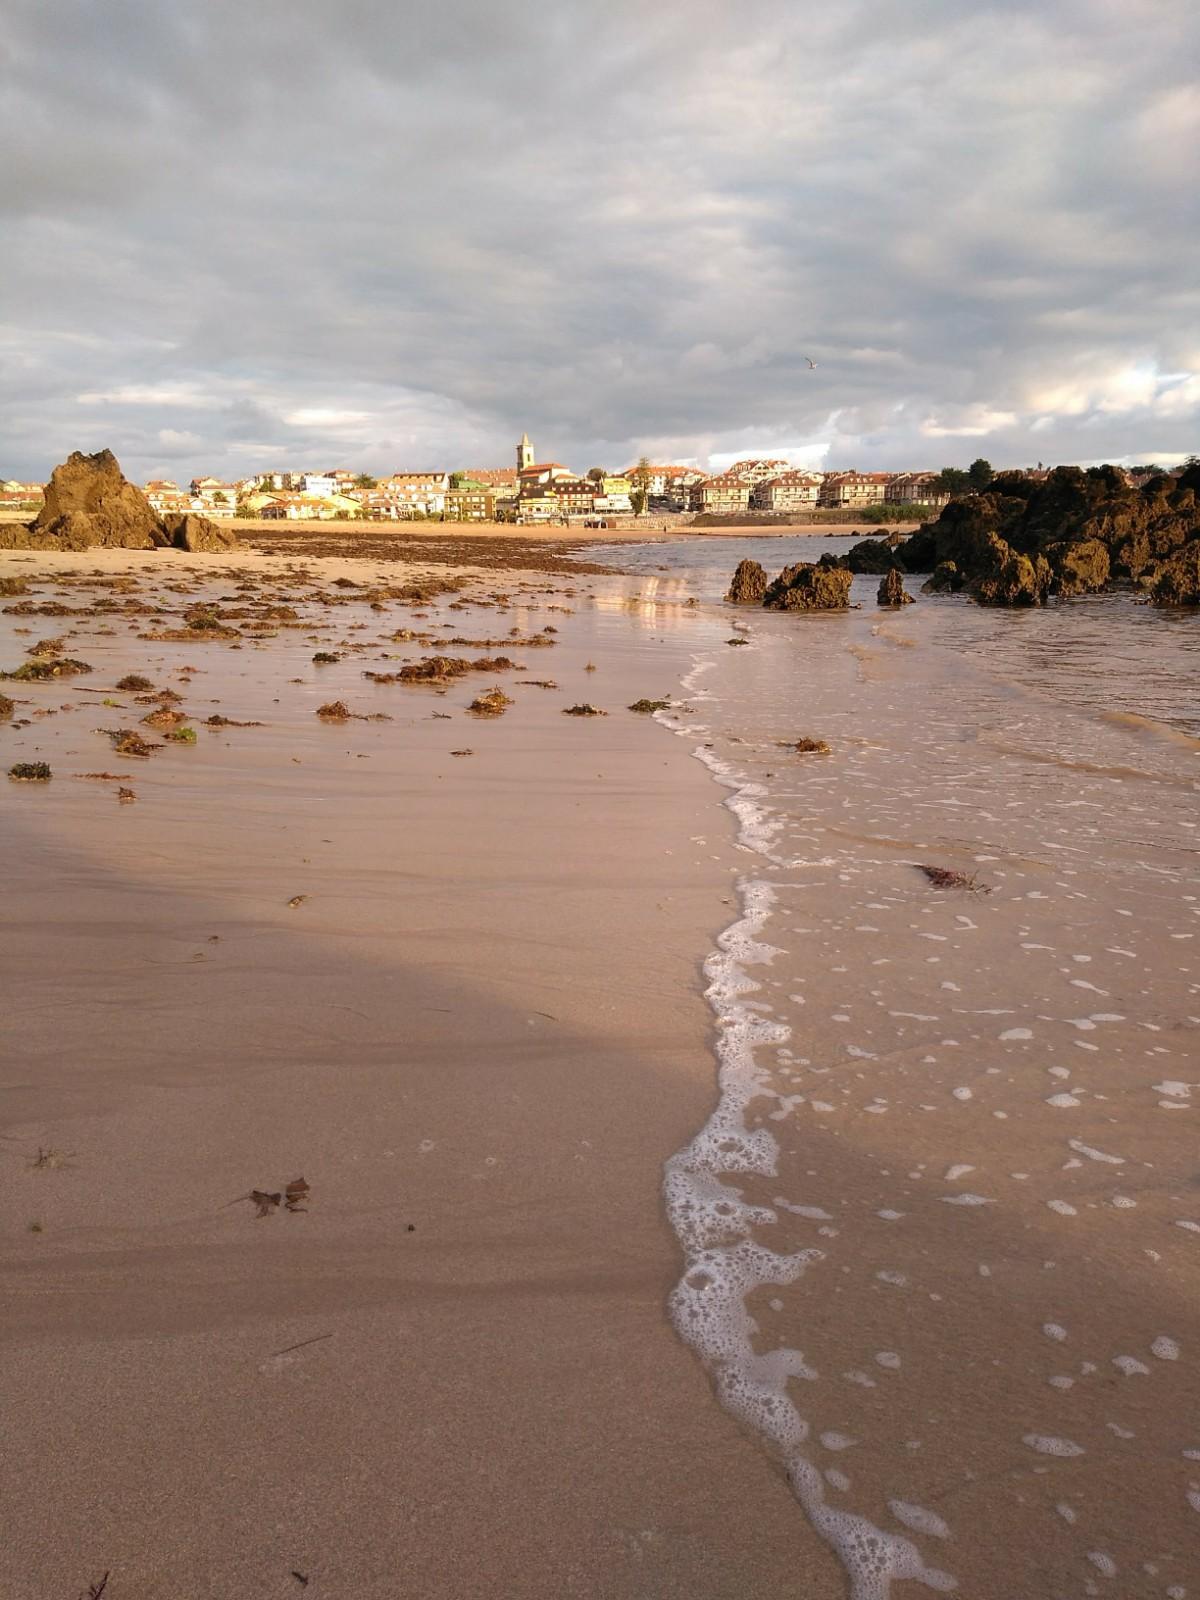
948,878
491,703
583,709
55,667
30,772
649,705
134,683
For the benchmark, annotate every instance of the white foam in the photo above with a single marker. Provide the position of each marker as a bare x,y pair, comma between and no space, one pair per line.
1095,1155
918,1519
1047,1445
967,1200
1063,1208
1103,1563
1165,1348
1130,1366
724,1264
1052,1330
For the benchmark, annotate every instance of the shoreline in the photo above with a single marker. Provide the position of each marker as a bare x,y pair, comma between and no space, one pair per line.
184,1034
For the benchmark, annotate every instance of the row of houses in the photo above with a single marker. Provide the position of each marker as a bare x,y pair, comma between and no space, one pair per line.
535,492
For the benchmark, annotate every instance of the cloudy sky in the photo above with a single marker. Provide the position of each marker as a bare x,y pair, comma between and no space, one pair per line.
392,235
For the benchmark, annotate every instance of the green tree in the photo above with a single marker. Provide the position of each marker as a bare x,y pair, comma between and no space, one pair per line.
220,498
456,479
980,473
952,480
640,498
365,481
598,474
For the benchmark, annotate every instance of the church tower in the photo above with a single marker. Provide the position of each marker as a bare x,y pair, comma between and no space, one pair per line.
524,453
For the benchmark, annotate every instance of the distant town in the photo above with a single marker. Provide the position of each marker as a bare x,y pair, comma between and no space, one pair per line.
533,491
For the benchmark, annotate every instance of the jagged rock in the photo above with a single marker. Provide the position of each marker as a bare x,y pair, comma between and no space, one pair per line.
805,587
1077,529
89,501
1080,568
892,591
1177,582
1008,578
870,556
946,579
186,531
749,584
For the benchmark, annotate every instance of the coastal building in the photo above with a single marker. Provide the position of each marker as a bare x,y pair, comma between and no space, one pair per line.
539,475
725,494
538,506
914,488
470,502
853,488
790,491
755,470
525,454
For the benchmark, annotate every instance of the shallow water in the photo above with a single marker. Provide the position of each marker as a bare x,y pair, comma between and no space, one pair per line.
942,1229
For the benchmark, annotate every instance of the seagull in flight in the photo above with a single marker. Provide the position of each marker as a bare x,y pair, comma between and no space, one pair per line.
812,365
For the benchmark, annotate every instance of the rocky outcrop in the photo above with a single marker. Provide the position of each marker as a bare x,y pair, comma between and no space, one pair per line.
870,556
90,504
186,531
892,591
946,579
805,587
1178,579
749,584
1005,577
1079,568
1073,533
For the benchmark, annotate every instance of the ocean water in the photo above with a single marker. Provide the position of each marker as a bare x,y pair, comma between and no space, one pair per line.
942,1230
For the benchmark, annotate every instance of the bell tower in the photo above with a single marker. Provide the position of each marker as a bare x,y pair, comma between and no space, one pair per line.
524,453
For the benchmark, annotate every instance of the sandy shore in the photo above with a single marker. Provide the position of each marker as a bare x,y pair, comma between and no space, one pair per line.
476,1036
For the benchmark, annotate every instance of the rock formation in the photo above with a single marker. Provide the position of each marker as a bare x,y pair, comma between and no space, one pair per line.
805,587
749,584
1024,541
892,591
1177,582
89,503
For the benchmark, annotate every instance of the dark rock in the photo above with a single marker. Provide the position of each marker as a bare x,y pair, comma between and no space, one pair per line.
1080,568
871,556
892,591
946,579
749,584
90,502
805,587
186,531
1177,582
1005,577
1077,529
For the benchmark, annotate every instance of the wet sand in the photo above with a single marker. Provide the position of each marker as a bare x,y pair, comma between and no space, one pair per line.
477,1038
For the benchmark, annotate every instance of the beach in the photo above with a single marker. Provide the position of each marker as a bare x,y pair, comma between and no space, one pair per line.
481,1024
906,1303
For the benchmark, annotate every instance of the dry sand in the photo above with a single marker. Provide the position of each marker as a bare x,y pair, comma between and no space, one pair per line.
477,1037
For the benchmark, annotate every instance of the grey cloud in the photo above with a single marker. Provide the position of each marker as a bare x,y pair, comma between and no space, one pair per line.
617,225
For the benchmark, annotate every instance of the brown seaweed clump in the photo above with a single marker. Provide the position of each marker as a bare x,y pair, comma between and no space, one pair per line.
7,707
55,667
647,706
164,717
491,703
129,742
584,709
806,746
134,683
30,772
335,711
948,878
